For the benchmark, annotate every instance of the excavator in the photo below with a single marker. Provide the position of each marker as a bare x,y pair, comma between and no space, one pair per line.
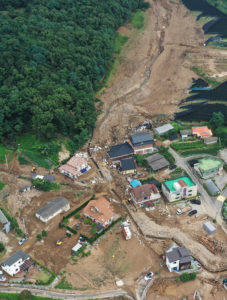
60,241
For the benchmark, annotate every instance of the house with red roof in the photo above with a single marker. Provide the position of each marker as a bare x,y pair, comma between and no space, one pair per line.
202,132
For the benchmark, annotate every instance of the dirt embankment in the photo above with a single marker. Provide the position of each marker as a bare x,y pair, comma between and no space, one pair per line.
154,72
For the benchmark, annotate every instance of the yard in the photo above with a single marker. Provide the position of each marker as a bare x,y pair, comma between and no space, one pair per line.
195,147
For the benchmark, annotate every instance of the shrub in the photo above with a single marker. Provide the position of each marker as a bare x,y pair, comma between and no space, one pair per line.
39,237
77,216
44,233
44,185
187,277
2,247
93,229
25,295
87,221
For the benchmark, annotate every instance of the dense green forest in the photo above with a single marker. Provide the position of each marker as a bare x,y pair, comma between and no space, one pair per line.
220,4
54,54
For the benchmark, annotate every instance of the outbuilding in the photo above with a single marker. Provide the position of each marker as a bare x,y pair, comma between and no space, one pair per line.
163,129
128,166
209,228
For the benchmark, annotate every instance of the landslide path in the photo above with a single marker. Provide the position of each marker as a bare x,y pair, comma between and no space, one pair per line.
153,72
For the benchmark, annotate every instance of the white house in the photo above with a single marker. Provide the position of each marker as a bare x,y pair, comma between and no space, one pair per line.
179,188
178,259
12,264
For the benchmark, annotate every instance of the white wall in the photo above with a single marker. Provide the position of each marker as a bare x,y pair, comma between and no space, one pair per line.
174,196
13,269
172,265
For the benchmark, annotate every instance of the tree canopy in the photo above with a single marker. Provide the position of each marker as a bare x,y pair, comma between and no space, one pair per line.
53,55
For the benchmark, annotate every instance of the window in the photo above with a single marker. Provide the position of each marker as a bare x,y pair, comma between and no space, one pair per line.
189,191
189,195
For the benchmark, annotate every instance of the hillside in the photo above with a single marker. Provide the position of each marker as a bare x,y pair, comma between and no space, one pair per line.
53,56
220,4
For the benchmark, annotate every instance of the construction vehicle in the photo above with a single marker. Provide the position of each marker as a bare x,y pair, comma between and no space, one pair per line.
34,169
60,241
181,211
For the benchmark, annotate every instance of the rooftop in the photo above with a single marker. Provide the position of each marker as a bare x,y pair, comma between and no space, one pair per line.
14,258
134,183
171,183
120,150
157,162
186,132
99,209
3,218
141,138
128,164
212,188
51,207
145,190
202,131
163,129
207,164
178,253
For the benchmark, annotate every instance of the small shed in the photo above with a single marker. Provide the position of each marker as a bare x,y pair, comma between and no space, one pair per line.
185,133
209,228
25,188
134,183
211,187
163,129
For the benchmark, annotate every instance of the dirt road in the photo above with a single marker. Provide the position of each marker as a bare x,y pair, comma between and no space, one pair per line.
154,72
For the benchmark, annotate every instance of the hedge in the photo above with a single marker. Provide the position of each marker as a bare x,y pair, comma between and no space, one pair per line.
71,229
187,277
94,238
78,208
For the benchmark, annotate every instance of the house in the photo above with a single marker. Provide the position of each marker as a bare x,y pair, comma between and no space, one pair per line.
145,195
99,211
185,133
119,152
211,187
53,208
179,188
128,166
178,259
201,132
208,167
76,166
5,222
13,264
142,142
157,162
163,129
25,188
210,140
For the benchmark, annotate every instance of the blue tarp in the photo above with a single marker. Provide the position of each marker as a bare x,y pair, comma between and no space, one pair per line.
83,170
135,183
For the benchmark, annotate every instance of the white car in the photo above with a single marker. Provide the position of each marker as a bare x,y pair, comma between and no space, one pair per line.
149,276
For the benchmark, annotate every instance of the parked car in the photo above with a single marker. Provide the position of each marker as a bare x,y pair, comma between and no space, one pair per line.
194,201
149,276
192,212
172,167
224,282
21,242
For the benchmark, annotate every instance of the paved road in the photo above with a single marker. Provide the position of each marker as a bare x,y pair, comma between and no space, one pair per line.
68,296
207,203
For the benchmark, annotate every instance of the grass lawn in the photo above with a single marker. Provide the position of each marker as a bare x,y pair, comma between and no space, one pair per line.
32,149
43,276
3,152
196,147
2,184
9,296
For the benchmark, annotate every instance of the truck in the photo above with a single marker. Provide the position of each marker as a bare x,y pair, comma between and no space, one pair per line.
184,210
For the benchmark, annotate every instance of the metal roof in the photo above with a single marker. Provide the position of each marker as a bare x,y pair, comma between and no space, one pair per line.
142,138
163,129
128,164
157,162
52,207
186,132
120,150
212,188
14,258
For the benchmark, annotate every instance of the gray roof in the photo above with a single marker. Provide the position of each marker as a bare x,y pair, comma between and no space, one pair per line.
120,150
186,132
14,258
178,253
157,162
209,227
142,138
49,178
211,186
3,218
51,207
128,164
163,129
